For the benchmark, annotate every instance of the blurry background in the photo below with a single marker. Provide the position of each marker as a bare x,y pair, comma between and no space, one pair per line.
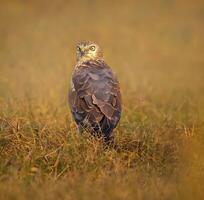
153,44
156,49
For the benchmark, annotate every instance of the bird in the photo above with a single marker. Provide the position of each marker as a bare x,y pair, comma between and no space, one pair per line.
94,95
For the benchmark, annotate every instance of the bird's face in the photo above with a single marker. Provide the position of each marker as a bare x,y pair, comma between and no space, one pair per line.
88,51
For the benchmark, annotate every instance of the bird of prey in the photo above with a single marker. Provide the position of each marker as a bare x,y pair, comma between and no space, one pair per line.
94,95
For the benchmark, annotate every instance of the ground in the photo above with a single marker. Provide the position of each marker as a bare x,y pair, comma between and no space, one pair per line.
156,50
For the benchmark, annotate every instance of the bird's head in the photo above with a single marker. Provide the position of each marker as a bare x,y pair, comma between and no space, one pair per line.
88,51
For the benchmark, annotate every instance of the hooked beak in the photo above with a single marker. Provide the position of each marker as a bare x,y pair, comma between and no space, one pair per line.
82,52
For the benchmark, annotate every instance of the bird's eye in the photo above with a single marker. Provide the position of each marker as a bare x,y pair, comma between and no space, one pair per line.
92,48
78,49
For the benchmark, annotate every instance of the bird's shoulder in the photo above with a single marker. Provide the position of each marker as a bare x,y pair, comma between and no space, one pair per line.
93,70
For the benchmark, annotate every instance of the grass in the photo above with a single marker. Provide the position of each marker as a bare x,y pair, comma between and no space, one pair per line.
156,49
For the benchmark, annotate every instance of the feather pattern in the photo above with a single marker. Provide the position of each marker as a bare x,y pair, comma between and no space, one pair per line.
94,97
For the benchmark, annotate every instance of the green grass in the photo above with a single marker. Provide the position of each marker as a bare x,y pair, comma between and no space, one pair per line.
156,50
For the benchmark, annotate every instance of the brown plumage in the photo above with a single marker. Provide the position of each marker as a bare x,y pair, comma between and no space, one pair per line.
94,96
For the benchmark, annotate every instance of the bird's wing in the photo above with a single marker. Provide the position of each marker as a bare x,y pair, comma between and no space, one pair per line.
96,93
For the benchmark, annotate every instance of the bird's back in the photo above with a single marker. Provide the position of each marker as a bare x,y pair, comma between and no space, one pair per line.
94,97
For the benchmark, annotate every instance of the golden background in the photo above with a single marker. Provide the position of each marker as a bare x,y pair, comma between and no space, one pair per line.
156,49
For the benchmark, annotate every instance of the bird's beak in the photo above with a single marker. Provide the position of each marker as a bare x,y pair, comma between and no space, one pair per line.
82,52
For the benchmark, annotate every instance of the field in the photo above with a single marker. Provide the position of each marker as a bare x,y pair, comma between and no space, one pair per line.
156,48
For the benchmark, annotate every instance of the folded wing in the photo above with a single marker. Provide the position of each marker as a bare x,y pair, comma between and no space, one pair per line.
95,97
